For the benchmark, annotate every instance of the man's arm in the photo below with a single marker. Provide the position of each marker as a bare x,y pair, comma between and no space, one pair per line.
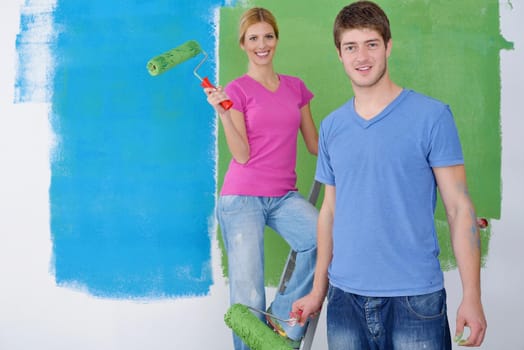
311,304
465,240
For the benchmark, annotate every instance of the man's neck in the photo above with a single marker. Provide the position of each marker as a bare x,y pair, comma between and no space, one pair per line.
370,101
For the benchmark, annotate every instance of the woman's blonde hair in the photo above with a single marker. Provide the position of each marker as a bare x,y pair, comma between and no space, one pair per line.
253,16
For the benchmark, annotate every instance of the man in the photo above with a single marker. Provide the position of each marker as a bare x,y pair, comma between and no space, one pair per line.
381,157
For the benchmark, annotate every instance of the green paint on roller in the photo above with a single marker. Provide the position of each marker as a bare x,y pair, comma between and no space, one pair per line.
254,333
163,62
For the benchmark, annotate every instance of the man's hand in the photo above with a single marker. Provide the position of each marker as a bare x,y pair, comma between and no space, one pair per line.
308,306
470,314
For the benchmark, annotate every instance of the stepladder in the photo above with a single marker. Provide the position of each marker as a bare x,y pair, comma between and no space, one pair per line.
289,266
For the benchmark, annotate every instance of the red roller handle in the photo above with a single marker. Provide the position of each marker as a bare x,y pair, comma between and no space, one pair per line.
226,104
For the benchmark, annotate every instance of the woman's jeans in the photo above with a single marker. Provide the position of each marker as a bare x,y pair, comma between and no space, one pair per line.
357,322
242,220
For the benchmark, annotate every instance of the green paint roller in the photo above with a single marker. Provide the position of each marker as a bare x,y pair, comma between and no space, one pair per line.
163,62
253,332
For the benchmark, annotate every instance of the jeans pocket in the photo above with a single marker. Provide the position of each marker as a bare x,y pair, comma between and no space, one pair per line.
334,294
329,292
427,306
232,203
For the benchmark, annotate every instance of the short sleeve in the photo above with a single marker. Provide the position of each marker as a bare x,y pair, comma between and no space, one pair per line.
324,171
445,148
305,94
237,95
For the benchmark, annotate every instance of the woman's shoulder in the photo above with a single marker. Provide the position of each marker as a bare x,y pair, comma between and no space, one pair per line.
293,82
240,86
241,80
290,78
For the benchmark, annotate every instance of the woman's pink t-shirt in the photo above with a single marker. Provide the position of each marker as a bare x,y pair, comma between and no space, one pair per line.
272,124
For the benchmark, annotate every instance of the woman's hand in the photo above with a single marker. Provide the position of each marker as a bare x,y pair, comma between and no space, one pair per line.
215,96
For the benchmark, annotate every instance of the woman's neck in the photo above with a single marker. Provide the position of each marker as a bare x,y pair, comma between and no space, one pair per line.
265,76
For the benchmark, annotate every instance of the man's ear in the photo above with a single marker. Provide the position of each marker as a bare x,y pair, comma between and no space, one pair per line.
389,45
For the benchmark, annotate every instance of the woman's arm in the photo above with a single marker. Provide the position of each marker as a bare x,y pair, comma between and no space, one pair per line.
233,124
309,130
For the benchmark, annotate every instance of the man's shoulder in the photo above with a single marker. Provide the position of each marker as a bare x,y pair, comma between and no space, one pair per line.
342,110
422,99
335,116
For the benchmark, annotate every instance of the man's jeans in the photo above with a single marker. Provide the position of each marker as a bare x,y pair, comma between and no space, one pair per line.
394,323
242,220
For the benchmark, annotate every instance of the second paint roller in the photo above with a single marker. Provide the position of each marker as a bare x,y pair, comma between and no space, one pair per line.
163,62
253,332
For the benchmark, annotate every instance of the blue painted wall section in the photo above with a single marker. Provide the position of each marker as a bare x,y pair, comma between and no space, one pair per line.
133,170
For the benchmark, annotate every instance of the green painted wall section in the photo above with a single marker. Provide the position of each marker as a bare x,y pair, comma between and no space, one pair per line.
445,49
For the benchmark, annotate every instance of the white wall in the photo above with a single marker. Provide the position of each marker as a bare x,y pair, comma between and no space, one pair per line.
503,277
36,314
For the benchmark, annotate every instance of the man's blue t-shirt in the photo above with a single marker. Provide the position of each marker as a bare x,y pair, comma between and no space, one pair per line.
384,237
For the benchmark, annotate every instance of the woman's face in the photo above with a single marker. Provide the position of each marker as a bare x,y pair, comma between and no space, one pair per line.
260,43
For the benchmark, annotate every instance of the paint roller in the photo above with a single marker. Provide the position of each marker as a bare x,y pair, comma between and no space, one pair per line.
163,62
253,332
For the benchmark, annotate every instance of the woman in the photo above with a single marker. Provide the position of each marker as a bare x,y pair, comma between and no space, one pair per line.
260,185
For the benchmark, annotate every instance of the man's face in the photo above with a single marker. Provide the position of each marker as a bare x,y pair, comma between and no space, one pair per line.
364,55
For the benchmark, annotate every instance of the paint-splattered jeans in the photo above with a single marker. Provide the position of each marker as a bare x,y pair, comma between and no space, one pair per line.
357,322
242,220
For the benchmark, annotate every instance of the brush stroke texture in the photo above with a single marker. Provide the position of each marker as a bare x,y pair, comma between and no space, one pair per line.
447,50
133,169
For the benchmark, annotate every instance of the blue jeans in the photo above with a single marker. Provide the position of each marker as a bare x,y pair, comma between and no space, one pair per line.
242,220
392,323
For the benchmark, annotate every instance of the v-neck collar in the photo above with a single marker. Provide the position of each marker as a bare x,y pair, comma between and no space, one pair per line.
263,86
366,123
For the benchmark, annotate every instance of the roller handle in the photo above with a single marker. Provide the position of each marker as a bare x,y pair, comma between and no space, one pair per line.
226,104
